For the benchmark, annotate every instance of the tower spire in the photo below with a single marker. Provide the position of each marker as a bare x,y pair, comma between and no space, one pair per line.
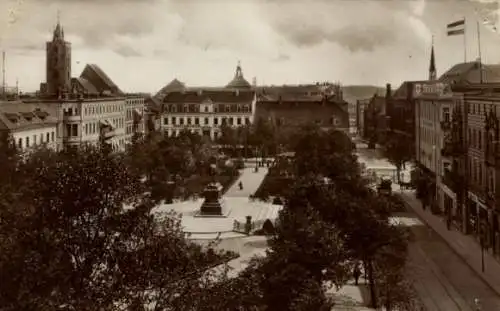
58,32
432,65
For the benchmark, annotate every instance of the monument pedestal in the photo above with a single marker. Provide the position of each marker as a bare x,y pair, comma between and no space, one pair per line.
212,206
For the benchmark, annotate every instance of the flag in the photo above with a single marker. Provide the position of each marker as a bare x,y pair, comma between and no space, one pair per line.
456,28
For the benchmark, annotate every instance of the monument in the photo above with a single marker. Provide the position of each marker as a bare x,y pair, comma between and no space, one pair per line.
211,205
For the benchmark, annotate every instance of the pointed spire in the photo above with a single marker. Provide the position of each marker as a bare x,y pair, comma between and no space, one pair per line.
58,31
432,66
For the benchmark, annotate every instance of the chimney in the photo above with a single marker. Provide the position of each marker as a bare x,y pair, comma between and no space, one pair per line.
388,91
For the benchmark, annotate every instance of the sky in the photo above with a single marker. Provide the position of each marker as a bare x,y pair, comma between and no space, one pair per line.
144,44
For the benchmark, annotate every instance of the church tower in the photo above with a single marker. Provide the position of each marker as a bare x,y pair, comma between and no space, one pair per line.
432,66
58,71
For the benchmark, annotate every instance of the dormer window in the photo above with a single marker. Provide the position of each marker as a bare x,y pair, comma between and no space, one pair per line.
28,116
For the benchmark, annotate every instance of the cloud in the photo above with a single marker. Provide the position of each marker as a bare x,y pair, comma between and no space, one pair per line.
358,26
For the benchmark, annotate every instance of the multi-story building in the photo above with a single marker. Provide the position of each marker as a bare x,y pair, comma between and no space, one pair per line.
293,105
30,126
434,103
135,116
204,110
91,107
374,120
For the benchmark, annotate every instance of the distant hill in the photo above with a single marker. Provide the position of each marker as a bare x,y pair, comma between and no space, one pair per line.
355,92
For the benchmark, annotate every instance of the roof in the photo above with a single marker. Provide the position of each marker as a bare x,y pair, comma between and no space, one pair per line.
174,85
239,81
469,73
402,91
99,79
153,104
85,85
216,96
308,92
16,115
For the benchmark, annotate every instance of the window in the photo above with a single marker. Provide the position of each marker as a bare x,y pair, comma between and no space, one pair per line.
197,121
189,121
181,121
53,136
228,108
20,143
238,108
186,108
206,121
173,120
74,129
238,120
34,139
245,108
27,141
247,121
206,108
231,121
446,114
41,138
165,121
216,121
479,139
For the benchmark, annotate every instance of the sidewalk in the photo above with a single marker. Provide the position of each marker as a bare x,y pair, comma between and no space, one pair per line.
465,246
250,180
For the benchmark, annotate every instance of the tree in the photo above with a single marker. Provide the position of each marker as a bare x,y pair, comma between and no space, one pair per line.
84,238
398,150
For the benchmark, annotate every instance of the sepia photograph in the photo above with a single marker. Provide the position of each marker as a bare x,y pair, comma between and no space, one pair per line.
250,155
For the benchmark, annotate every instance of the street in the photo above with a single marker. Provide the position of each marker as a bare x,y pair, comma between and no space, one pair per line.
443,280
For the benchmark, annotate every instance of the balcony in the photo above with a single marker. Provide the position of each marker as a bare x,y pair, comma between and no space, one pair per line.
445,126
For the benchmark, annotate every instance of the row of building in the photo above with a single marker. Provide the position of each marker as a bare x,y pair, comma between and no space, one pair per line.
451,126
69,111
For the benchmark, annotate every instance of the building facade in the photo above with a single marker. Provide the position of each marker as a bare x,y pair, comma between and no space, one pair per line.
294,105
135,119
434,105
30,126
204,110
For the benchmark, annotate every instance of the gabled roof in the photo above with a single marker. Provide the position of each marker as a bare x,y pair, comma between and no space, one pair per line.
308,92
99,79
85,85
217,96
174,85
469,73
16,115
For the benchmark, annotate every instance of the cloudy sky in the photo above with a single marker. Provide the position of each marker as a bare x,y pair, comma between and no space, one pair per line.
143,44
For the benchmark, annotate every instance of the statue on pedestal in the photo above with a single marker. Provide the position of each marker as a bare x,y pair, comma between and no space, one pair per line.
211,205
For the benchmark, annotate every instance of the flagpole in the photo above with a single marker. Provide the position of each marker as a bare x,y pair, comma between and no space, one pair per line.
465,41
479,52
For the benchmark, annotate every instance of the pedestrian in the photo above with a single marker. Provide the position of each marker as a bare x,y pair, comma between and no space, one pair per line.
356,273
241,185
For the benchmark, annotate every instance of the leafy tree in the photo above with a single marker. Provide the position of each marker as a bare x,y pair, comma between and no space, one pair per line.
398,150
84,238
